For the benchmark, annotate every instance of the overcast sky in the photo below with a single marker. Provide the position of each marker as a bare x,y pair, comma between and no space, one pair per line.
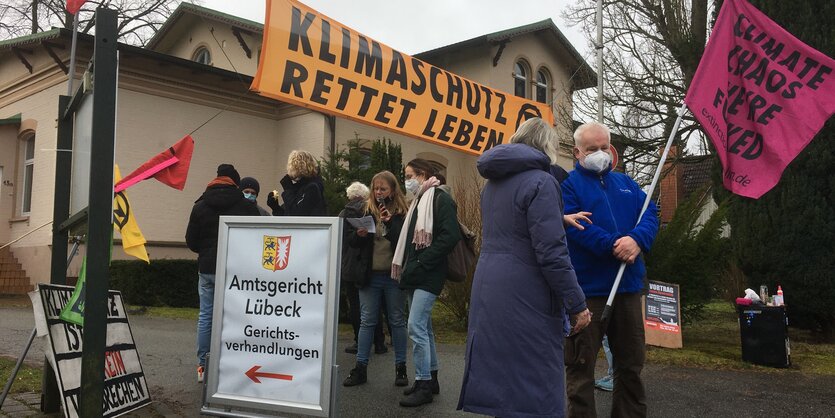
413,26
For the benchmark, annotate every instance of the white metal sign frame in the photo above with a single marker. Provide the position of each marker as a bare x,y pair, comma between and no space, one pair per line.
295,246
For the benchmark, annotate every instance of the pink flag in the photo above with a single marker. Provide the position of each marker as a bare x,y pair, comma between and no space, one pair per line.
74,5
169,167
761,95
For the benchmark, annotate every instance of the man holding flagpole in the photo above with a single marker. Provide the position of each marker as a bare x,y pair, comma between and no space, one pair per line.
616,236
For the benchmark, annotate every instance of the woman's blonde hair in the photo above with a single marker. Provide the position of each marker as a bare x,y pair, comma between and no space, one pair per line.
536,133
301,164
397,205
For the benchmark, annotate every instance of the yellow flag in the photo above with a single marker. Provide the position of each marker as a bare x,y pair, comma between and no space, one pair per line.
124,222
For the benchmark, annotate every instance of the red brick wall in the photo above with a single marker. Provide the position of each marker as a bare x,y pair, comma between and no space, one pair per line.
670,187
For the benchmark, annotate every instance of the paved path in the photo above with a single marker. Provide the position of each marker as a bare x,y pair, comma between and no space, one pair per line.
167,345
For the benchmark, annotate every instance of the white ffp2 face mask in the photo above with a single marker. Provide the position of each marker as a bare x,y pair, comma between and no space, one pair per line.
598,161
412,186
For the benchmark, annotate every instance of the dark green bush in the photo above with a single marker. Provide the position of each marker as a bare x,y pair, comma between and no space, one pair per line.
690,255
163,282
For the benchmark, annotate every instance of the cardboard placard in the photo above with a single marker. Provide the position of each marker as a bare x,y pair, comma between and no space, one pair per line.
662,315
125,388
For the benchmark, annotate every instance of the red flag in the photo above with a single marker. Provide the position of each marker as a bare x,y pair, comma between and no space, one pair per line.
761,95
169,167
74,5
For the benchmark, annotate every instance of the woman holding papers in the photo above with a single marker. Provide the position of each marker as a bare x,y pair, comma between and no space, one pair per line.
387,206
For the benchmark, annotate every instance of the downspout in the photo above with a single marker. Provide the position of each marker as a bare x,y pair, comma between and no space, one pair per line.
332,125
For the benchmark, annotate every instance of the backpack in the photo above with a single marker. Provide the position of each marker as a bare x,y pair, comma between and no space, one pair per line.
462,257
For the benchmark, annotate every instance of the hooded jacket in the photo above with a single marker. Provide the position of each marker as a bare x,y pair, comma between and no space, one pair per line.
201,234
615,201
522,286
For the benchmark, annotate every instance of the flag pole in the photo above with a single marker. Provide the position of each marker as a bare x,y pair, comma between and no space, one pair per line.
599,48
71,73
607,311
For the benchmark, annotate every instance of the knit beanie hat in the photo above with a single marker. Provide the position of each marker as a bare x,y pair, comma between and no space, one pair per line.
250,183
228,170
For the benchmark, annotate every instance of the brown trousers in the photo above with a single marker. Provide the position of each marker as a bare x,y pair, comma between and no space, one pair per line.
626,340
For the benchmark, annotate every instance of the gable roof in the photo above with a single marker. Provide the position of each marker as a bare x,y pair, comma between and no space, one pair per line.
31,39
200,11
65,35
583,75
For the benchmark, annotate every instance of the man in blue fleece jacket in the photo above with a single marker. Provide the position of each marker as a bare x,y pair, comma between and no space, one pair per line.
597,251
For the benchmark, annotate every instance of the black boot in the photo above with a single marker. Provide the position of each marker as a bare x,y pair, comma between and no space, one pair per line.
421,395
400,378
411,389
357,376
436,387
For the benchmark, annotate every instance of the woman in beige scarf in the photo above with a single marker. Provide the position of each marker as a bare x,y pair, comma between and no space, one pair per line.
429,234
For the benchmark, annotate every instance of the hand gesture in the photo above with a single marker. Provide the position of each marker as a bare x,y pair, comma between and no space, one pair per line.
575,218
362,232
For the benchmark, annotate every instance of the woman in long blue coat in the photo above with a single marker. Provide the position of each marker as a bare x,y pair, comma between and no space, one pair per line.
523,285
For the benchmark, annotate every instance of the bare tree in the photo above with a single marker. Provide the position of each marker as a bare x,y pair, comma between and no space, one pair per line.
138,19
653,48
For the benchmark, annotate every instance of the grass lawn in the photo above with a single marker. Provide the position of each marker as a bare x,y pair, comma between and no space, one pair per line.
714,343
711,343
28,378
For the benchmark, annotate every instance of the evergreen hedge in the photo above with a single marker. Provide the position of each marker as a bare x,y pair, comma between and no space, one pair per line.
691,255
786,237
165,282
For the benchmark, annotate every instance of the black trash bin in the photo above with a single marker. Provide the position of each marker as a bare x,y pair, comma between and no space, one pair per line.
764,331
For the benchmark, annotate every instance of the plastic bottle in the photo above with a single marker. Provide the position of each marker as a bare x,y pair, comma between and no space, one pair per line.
778,301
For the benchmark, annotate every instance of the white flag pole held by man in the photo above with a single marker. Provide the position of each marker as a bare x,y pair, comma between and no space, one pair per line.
607,311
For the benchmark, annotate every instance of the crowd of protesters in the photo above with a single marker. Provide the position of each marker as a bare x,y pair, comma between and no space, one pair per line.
552,242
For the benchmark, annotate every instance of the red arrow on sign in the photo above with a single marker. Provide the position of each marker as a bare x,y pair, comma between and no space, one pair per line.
254,375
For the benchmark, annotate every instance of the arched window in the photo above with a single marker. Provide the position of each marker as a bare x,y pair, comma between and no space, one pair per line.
521,73
438,162
202,56
542,86
28,139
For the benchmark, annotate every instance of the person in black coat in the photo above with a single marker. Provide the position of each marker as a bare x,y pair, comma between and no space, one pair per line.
221,197
303,193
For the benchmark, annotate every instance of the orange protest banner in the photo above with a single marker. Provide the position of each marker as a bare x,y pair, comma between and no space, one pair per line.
312,61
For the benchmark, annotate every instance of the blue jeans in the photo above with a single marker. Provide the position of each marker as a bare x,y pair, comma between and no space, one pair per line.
611,372
420,331
206,291
382,286
608,353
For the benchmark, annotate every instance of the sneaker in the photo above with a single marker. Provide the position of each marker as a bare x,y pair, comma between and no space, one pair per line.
199,374
351,349
605,383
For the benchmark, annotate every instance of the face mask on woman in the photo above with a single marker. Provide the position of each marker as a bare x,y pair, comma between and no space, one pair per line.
412,186
598,161
250,196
